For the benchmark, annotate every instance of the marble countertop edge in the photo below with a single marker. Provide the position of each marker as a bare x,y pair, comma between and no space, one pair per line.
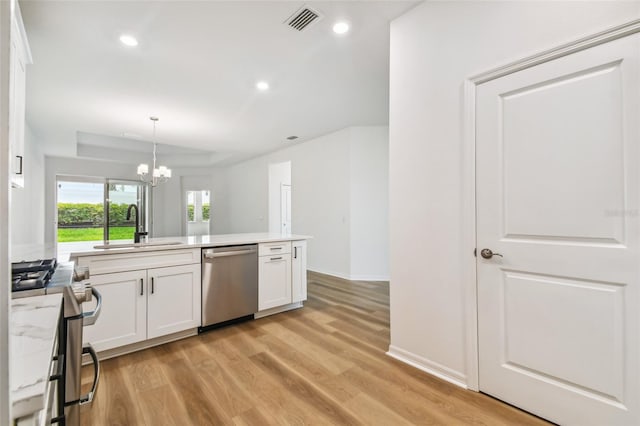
34,329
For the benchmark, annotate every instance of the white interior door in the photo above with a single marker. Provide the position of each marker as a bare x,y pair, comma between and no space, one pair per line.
557,195
285,208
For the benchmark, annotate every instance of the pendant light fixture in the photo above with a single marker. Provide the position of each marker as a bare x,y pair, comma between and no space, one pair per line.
161,173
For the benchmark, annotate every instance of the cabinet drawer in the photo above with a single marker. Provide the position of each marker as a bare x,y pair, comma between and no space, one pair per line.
268,249
108,263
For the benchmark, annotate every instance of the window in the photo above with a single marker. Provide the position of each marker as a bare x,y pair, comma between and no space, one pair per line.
95,209
198,212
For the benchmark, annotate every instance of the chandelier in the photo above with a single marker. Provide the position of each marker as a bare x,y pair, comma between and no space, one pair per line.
161,173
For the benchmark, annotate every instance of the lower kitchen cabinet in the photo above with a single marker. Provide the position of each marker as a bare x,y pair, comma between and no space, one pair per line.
274,281
140,305
123,318
173,300
299,271
282,272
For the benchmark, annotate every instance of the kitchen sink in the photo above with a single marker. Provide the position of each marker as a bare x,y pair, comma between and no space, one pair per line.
137,245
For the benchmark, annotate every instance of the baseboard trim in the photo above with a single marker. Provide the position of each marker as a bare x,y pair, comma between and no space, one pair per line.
332,273
277,310
351,277
433,368
369,278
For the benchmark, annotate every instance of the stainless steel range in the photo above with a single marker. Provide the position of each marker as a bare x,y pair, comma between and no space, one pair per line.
31,278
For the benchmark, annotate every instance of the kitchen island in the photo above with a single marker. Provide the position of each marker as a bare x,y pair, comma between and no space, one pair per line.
152,291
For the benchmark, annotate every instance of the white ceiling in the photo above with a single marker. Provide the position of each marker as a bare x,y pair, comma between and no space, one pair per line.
196,67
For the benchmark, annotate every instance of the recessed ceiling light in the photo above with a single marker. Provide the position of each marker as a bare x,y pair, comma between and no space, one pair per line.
340,27
262,85
128,40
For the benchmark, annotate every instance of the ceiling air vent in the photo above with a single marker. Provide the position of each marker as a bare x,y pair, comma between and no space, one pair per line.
302,18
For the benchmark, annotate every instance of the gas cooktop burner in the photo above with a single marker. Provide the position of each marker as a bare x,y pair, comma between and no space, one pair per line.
33,266
31,275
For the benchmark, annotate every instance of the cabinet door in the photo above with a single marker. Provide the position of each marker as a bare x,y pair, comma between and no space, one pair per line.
299,271
18,84
123,317
274,281
173,299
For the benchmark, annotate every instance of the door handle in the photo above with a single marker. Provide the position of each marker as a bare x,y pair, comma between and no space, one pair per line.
488,254
141,286
152,286
19,157
227,253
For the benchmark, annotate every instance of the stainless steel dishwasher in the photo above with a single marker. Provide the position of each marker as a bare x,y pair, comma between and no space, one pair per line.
229,284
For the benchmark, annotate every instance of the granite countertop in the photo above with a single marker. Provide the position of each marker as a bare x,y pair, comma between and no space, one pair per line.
176,243
33,328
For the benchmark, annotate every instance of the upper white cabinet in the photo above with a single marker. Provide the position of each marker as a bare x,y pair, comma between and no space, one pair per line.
299,271
20,57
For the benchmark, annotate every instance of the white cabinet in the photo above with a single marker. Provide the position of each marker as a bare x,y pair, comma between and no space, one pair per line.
143,304
299,271
20,56
173,300
274,276
282,274
123,318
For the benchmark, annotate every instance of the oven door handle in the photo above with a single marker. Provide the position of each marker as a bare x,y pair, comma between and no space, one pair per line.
88,398
89,318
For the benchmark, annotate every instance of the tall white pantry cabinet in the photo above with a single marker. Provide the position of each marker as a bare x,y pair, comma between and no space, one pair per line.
20,57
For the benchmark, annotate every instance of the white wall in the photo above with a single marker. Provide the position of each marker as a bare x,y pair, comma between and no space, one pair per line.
279,174
27,204
434,47
319,194
369,204
322,172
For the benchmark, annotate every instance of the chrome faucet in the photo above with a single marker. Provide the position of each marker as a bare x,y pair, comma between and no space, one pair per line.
137,234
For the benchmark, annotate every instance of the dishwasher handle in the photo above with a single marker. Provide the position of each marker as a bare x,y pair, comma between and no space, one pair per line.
227,253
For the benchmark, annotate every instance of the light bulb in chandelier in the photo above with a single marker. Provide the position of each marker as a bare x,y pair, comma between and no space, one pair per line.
160,173
143,169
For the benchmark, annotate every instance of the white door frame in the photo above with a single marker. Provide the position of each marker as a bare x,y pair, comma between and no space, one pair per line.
469,173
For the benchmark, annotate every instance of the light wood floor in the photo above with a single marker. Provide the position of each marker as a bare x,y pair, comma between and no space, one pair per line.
322,364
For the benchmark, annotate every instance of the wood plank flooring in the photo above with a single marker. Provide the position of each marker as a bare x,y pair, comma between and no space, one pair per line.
322,364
